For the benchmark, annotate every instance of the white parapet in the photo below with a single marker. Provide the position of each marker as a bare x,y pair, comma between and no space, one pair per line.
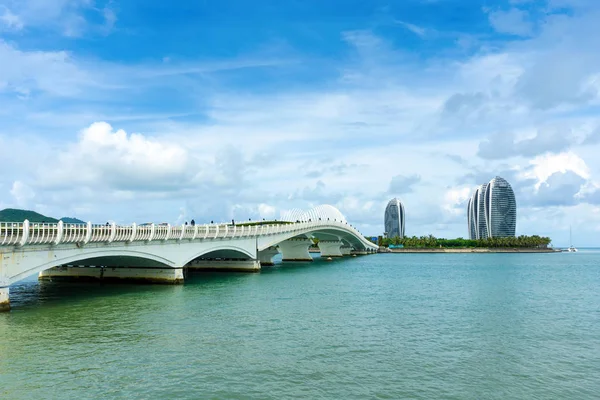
4,299
147,275
330,248
225,265
266,256
296,249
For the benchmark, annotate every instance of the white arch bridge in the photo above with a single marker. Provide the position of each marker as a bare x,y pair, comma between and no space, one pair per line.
159,253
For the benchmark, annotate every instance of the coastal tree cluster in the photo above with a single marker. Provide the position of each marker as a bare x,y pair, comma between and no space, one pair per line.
431,241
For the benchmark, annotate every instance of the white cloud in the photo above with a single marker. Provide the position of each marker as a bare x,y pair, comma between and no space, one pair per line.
266,211
9,20
513,21
493,73
417,30
22,193
54,72
455,198
110,19
65,16
503,145
546,165
116,160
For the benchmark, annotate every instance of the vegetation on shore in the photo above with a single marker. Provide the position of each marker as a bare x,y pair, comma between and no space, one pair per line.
429,242
70,220
17,215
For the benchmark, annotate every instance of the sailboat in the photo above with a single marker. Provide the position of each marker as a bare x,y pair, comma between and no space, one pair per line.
571,248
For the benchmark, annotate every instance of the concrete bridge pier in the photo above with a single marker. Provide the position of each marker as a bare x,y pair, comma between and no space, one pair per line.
330,248
234,265
101,273
346,250
4,299
296,249
266,256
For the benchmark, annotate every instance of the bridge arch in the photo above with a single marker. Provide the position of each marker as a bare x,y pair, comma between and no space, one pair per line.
221,252
101,258
326,231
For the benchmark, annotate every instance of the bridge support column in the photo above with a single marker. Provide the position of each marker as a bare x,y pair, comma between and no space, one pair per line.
225,265
346,250
360,252
4,299
330,248
296,249
266,256
131,274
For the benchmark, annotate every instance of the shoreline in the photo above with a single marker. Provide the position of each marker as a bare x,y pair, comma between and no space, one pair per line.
472,250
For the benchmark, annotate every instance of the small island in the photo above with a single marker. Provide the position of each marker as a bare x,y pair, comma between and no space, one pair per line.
431,244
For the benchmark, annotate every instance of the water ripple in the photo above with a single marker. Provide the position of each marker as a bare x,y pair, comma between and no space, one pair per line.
387,326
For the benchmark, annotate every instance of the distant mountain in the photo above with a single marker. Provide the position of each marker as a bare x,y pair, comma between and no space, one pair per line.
16,215
69,220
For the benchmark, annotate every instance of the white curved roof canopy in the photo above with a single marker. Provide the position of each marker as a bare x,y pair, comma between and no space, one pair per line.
322,212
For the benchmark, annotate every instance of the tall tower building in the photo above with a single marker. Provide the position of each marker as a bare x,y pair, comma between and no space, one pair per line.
492,210
500,209
482,231
394,218
471,218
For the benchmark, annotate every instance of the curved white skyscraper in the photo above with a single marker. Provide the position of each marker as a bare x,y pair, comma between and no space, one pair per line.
492,210
394,218
500,209
476,214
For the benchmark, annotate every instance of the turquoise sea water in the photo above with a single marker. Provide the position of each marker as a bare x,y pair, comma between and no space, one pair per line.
389,326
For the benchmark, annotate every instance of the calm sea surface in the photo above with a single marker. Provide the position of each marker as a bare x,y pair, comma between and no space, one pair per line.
390,326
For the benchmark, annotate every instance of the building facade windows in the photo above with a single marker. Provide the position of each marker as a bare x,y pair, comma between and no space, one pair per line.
394,218
492,210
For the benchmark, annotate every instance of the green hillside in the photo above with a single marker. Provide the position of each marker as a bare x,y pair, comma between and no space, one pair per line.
16,215
69,220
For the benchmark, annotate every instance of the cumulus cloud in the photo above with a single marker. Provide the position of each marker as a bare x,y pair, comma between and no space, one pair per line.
22,193
464,102
116,160
505,145
593,137
266,211
319,194
542,167
558,190
403,184
592,197
557,78
454,203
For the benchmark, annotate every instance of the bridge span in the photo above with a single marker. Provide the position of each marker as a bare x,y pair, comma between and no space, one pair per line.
160,253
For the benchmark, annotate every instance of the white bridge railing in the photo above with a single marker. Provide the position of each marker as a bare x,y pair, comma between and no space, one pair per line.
26,233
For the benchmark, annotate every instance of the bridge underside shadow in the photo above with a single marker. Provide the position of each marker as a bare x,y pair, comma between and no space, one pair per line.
224,260
114,268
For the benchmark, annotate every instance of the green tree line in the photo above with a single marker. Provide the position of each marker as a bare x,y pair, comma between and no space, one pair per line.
431,241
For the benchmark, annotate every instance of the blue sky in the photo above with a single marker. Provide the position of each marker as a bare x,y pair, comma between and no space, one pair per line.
212,110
